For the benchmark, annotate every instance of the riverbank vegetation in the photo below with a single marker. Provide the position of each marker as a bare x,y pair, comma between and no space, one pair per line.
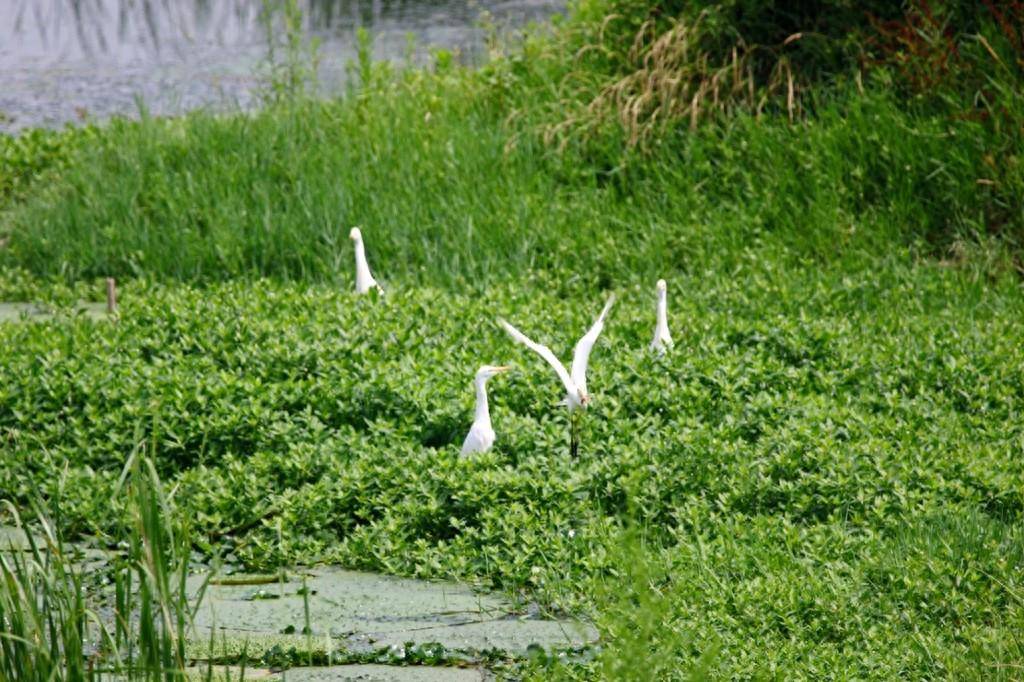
822,479
651,125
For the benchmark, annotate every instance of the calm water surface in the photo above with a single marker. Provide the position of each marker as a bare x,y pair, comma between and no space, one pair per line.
69,60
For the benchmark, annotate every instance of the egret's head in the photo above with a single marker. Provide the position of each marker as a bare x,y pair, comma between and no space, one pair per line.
488,371
661,286
355,235
584,398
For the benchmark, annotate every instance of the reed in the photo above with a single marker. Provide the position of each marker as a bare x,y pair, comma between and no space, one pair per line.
54,627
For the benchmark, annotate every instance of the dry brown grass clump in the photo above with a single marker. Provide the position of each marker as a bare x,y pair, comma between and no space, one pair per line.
671,78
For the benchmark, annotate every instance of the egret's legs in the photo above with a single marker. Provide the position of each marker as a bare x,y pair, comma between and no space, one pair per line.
574,435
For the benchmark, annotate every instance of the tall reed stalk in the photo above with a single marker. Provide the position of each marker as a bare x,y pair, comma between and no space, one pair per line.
53,630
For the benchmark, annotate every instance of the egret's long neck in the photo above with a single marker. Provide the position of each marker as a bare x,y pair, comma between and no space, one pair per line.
482,415
362,267
662,312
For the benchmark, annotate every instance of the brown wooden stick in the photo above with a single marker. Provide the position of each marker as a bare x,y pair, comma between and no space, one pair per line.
111,295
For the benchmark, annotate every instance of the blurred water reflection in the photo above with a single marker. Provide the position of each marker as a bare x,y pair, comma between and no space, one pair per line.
64,59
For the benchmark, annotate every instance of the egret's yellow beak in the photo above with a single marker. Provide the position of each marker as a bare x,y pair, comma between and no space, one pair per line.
502,368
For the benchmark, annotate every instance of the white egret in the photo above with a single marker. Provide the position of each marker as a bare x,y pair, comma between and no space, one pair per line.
481,434
662,339
574,380
364,280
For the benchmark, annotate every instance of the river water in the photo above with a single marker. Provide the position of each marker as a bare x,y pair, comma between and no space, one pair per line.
71,60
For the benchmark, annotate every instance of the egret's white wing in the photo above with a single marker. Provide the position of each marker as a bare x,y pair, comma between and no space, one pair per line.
542,351
581,354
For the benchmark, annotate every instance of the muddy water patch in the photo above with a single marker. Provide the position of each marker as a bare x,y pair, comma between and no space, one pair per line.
15,539
363,613
33,312
384,673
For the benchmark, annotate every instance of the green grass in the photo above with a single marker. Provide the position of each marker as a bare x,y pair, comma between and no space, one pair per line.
826,465
128,618
421,163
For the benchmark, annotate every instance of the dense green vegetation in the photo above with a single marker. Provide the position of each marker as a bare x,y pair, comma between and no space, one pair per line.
827,465
823,479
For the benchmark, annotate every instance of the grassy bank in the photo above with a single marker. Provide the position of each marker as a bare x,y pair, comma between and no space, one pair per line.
442,202
823,478
448,173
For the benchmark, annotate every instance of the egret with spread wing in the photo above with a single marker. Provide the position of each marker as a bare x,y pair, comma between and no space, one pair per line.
364,280
574,379
481,434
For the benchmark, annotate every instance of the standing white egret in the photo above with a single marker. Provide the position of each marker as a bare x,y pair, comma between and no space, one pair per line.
481,434
364,280
662,339
575,380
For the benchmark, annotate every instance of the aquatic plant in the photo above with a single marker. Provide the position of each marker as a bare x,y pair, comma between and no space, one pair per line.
62,622
797,456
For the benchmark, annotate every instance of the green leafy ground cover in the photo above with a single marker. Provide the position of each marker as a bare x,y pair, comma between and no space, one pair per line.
826,465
